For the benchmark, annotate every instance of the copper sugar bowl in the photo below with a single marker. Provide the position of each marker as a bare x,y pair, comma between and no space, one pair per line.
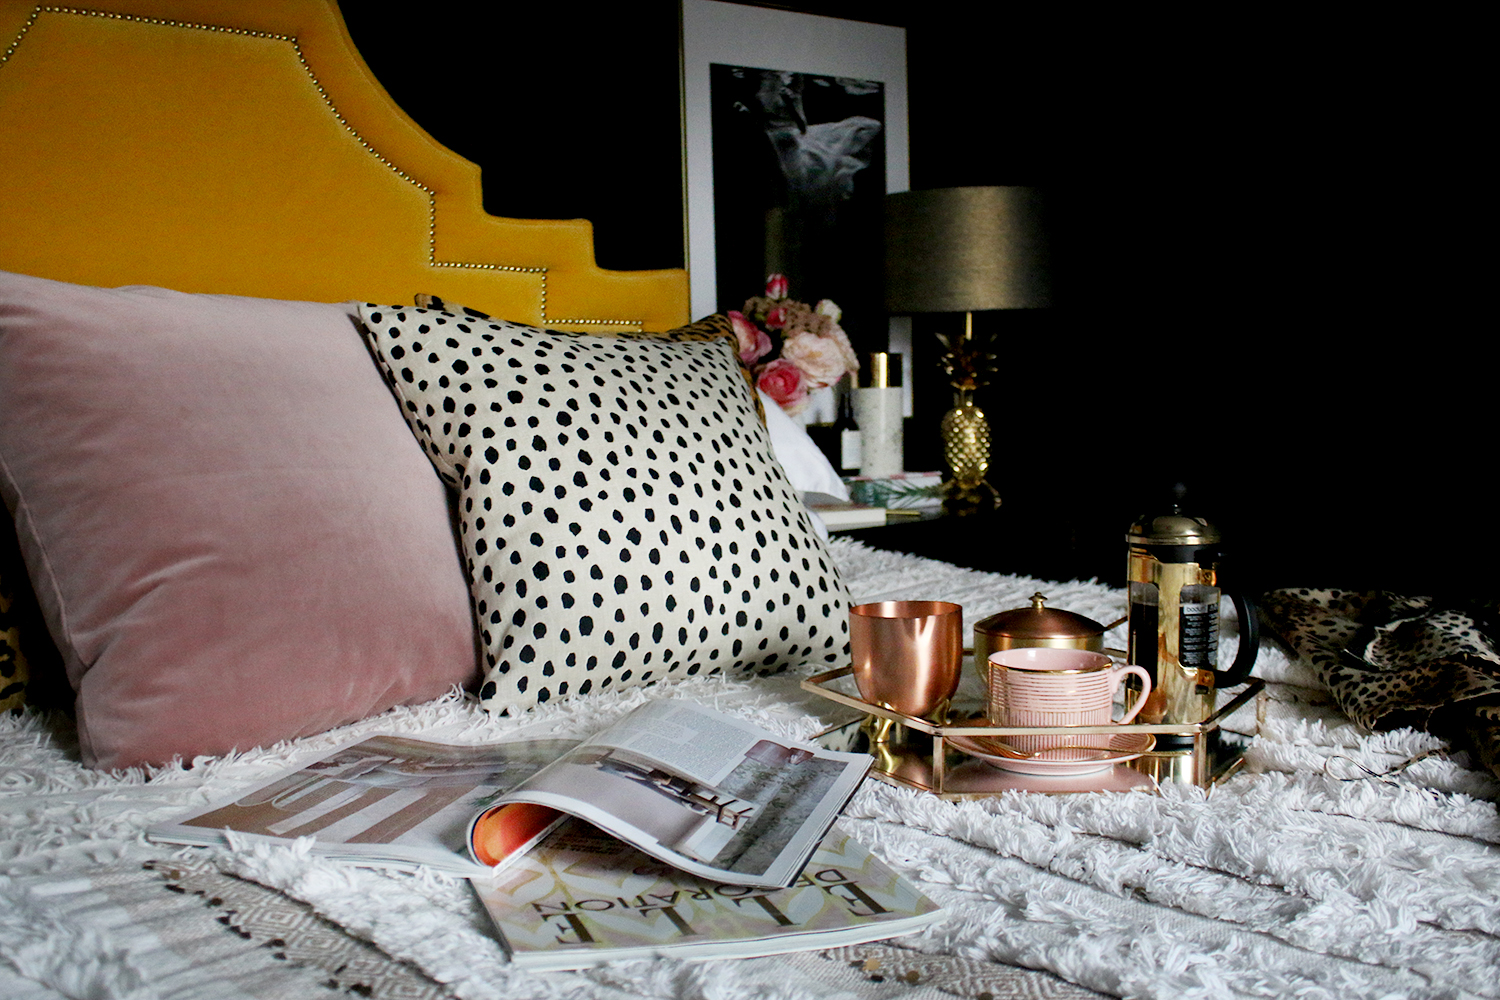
1037,625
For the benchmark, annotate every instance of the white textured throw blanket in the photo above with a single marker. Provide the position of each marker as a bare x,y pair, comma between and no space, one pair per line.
1317,871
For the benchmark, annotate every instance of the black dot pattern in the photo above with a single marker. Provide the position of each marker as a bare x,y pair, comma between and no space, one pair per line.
622,517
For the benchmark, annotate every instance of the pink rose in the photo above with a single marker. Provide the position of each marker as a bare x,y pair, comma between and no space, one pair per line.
782,381
776,286
821,358
776,318
753,342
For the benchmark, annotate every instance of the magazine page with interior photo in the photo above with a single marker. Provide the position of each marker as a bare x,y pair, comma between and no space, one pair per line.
702,791
581,898
385,801
693,787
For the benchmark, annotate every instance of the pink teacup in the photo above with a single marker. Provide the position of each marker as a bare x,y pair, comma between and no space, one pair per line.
1050,686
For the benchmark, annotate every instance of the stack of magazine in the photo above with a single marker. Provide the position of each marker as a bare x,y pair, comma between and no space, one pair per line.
677,831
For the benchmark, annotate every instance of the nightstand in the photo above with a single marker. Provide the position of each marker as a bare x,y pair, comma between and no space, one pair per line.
1006,540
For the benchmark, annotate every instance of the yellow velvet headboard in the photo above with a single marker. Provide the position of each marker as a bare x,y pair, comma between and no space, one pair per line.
245,148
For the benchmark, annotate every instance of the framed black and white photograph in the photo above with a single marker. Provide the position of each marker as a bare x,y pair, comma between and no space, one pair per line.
795,129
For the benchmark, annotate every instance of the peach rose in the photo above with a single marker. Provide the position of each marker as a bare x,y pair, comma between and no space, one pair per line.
754,344
820,358
838,336
783,382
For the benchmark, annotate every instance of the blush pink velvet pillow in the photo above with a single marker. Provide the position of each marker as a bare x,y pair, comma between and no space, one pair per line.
232,534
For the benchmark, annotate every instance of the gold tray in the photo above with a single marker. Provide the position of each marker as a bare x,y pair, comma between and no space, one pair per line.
919,753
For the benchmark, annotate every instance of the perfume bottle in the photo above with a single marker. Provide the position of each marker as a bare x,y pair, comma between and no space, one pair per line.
846,434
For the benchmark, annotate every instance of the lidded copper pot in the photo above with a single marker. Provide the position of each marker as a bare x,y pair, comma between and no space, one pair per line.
1037,625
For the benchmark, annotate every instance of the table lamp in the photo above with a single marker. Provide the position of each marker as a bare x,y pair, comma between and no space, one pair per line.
966,249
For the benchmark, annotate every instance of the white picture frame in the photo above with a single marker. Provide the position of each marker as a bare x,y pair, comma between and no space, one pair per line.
742,35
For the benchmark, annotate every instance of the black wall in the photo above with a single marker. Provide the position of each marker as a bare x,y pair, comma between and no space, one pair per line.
1262,233
570,112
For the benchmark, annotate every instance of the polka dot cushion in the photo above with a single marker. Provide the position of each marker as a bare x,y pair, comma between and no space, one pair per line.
622,518
712,327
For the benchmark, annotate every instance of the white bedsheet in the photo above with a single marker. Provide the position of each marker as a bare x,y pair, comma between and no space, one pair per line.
1302,875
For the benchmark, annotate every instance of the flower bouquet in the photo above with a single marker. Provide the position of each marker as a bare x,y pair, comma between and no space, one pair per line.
814,350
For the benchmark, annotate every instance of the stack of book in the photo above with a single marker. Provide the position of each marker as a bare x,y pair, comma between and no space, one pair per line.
842,515
677,831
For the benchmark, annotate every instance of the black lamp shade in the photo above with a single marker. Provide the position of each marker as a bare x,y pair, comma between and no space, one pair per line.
966,249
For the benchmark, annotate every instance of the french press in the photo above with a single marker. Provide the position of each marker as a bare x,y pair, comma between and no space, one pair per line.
1173,576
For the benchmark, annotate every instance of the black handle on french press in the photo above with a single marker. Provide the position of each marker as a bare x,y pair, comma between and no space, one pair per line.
1239,670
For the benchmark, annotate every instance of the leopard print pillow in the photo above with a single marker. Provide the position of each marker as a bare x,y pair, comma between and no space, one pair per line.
622,517
31,669
14,669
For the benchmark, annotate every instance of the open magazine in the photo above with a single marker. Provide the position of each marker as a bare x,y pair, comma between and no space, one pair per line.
702,791
581,897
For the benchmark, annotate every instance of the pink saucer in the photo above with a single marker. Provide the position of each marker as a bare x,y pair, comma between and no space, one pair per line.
976,778
1120,747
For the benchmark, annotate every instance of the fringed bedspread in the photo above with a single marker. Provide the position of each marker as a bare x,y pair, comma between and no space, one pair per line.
1336,864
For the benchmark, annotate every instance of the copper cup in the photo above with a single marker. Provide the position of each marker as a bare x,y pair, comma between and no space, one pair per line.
907,654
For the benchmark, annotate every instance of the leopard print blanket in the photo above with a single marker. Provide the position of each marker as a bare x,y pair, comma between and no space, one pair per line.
1392,661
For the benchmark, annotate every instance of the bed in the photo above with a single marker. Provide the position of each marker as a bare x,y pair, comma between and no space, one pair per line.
244,550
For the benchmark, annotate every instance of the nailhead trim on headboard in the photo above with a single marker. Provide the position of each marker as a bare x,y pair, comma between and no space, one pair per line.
432,258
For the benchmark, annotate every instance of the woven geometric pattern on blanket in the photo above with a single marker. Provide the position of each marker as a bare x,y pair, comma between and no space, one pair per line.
272,947
1392,661
288,931
125,930
964,977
